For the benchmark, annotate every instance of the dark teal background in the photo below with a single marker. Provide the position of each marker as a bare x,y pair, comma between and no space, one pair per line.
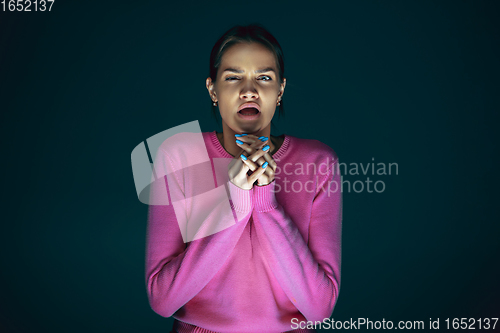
413,83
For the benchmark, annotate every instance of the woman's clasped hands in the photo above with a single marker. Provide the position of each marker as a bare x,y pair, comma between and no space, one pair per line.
254,164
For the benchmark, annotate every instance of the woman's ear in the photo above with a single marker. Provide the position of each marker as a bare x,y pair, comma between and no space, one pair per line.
282,88
210,88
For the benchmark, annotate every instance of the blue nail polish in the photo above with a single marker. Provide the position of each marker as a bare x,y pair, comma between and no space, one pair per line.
238,135
243,157
264,139
264,165
239,142
265,148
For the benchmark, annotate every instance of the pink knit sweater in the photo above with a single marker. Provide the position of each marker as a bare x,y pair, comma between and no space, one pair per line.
276,265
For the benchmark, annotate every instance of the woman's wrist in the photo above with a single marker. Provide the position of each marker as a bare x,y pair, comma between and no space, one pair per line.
257,184
264,197
241,199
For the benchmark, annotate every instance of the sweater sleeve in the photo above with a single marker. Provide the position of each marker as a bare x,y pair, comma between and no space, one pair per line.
177,271
309,274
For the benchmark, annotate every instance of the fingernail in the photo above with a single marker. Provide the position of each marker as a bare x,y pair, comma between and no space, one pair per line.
263,139
264,165
239,142
238,135
265,148
243,157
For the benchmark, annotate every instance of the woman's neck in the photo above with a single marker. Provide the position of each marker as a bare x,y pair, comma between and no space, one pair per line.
228,140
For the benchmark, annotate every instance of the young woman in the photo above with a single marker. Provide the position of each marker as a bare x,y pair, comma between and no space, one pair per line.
278,267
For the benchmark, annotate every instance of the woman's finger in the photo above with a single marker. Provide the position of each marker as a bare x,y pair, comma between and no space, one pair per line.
257,173
269,172
234,165
247,139
259,144
245,146
254,155
270,160
244,170
251,165
271,169
254,139
257,155
264,180
249,147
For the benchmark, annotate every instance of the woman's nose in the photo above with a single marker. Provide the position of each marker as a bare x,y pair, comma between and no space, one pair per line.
248,93
249,96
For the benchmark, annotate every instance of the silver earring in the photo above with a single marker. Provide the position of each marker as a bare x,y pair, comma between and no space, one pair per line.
215,103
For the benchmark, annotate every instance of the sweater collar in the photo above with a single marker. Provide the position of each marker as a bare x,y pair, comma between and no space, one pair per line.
277,155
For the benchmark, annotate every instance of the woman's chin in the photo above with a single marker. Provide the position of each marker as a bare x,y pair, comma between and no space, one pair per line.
249,129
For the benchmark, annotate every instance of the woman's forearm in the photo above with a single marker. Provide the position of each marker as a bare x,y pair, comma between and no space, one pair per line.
309,273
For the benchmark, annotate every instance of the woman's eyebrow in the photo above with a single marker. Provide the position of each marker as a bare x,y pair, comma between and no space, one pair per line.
238,70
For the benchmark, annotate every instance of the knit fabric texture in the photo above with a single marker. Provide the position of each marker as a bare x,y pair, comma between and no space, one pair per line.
278,263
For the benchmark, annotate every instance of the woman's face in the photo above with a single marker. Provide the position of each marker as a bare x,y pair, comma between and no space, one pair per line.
247,74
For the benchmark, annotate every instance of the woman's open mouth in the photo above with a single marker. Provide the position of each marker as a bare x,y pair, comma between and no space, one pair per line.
249,113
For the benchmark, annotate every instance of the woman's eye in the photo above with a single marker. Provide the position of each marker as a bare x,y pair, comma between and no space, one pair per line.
230,78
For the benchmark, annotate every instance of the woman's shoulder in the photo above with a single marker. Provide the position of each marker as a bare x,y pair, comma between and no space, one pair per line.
186,148
311,147
180,140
